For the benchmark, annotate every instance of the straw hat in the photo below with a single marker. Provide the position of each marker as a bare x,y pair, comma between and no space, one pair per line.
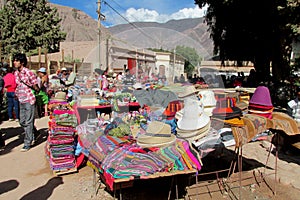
158,134
63,69
285,123
194,134
261,96
137,86
208,100
187,91
59,96
193,117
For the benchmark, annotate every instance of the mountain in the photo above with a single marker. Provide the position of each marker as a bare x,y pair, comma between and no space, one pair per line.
184,32
80,27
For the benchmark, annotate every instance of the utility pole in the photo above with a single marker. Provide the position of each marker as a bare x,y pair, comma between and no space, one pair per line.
99,30
174,62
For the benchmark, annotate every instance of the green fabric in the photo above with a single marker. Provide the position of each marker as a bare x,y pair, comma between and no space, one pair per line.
41,98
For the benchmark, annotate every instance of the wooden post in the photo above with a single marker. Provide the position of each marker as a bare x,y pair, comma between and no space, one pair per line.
72,55
46,62
29,62
40,55
63,57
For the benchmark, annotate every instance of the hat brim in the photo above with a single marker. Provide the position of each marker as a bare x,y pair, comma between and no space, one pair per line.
193,124
145,140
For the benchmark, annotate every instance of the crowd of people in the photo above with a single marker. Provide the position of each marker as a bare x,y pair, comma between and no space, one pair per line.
26,94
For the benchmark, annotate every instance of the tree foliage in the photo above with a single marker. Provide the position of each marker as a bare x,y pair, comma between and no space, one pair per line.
26,25
191,58
254,30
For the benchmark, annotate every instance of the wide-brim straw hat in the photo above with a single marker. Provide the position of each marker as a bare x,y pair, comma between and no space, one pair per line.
193,117
187,91
59,96
194,134
157,134
285,123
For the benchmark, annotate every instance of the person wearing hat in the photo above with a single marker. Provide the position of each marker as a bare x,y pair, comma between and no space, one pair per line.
63,76
26,82
42,96
293,107
10,87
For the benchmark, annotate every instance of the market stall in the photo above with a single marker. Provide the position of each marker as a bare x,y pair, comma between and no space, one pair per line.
166,131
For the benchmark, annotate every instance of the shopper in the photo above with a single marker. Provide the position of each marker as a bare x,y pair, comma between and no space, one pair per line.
10,87
26,82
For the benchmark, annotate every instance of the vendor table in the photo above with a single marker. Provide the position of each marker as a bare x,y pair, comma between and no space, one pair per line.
119,184
82,112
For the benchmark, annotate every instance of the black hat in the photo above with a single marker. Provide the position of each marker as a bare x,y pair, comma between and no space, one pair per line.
99,71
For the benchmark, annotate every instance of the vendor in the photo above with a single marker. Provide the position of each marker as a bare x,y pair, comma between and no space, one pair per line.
71,78
293,107
63,76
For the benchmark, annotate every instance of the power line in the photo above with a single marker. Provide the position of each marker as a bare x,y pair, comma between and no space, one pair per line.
134,25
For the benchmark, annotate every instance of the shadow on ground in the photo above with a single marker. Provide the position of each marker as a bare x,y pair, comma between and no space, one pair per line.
7,186
45,191
18,132
165,187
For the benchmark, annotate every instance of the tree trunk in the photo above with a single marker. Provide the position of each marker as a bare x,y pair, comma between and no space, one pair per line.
262,68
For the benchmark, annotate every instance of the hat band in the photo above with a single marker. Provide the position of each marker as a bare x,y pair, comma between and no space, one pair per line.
158,135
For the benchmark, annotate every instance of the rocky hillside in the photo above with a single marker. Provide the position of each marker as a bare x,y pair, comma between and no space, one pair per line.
186,32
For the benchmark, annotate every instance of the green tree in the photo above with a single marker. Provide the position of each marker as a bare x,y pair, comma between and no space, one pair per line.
254,30
28,24
191,58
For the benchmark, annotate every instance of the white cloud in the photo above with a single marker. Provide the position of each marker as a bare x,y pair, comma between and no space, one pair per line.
195,12
146,15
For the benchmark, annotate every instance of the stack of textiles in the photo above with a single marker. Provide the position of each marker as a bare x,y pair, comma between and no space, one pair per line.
261,103
122,158
60,147
131,161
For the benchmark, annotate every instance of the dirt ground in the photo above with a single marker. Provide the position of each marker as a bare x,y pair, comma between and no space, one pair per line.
27,175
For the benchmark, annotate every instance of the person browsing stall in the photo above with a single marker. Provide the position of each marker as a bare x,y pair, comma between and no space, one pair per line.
293,106
10,87
26,81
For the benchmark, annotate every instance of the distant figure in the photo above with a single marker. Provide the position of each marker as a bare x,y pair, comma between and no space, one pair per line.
176,79
71,78
252,79
194,79
42,98
63,75
293,107
10,87
182,79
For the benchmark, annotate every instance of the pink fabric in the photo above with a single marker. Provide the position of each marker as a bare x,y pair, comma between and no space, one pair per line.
59,112
192,157
10,82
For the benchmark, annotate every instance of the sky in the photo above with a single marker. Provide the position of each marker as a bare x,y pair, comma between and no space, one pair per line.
136,10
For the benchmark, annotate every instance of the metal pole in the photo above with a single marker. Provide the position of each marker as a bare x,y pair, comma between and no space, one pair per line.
174,58
99,30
